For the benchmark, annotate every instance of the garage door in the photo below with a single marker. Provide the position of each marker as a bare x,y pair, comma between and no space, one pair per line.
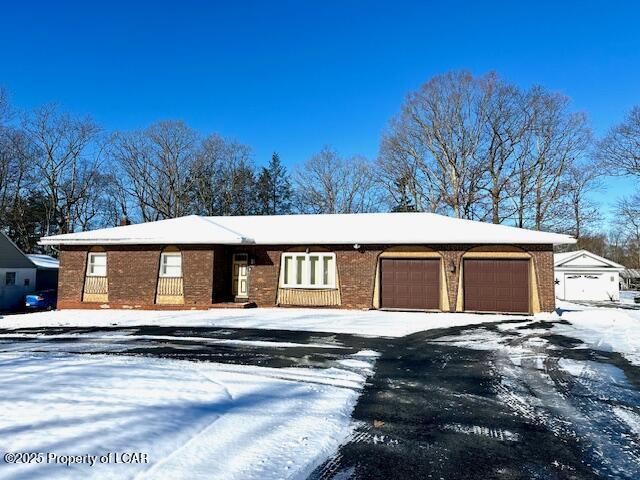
588,286
496,285
410,283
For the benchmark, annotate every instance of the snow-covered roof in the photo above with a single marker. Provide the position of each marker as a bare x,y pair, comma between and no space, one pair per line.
44,261
566,258
11,256
630,273
364,228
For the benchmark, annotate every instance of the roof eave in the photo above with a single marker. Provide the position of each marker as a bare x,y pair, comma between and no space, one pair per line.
245,241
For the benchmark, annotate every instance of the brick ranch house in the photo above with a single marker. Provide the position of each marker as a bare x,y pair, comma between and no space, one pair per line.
406,261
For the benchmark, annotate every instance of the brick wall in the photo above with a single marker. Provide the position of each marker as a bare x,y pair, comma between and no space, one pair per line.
71,274
543,259
356,271
133,273
197,271
264,271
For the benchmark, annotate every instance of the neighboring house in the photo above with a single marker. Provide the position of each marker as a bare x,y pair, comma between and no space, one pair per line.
630,279
406,261
583,275
17,275
47,271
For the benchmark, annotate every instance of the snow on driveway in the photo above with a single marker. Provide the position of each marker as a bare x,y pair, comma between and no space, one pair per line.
357,322
192,420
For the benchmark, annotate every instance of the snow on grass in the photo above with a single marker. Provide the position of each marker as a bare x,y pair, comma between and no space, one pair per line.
193,420
115,337
627,296
358,322
606,329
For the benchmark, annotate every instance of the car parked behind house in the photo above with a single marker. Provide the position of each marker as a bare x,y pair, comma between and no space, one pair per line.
42,300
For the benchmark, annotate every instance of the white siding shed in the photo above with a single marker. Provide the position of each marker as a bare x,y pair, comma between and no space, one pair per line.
583,275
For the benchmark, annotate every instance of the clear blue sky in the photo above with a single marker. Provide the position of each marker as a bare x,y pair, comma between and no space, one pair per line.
294,76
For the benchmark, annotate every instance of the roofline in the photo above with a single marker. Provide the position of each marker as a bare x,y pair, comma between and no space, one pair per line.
577,253
164,237
18,248
97,242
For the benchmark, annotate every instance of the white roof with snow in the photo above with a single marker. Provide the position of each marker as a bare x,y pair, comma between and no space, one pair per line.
583,259
363,228
44,261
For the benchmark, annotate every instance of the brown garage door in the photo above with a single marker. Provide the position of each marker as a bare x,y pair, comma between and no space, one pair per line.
410,283
496,285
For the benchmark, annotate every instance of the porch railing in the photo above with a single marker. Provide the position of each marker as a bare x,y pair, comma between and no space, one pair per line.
170,291
96,289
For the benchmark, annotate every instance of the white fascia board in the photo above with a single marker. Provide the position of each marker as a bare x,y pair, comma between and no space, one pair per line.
568,258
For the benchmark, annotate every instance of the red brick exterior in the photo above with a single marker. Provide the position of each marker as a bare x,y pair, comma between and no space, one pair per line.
133,273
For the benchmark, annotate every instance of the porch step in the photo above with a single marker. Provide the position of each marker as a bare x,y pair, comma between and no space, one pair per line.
233,305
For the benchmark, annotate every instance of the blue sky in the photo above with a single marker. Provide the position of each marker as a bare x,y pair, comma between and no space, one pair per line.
294,76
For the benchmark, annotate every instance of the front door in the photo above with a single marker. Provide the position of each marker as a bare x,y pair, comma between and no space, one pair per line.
239,278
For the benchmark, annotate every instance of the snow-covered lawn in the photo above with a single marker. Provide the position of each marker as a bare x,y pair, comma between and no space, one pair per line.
602,328
211,420
627,296
358,322
192,420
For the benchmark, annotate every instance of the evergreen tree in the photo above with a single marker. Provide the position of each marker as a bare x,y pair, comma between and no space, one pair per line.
403,203
274,188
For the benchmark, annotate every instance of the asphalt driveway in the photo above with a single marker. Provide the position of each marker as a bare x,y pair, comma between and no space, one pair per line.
505,400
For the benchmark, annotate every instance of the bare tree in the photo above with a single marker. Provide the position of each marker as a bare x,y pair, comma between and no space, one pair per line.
401,178
440,128
224,178
506,123
67,156
328,183
619,150
155,167
556,140
580,180
628,211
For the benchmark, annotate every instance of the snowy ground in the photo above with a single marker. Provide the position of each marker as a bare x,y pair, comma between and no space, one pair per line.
359,322
191,419
602,328
265,403
627,297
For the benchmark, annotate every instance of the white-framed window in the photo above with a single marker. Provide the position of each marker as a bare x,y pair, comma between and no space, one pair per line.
10,278
171,264
97,264
308,270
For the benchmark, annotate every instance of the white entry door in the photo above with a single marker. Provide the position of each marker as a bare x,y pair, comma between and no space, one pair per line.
240,273
586,286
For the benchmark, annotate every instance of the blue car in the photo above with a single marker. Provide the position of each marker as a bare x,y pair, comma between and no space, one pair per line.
43,300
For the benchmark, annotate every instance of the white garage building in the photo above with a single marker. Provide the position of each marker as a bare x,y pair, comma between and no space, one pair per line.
583,275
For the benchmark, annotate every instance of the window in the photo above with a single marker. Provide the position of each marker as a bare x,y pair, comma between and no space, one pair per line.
171,264
27,281
97,265
309,270
10,278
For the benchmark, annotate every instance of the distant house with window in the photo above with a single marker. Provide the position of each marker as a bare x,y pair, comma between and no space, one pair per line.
17,275
402,261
